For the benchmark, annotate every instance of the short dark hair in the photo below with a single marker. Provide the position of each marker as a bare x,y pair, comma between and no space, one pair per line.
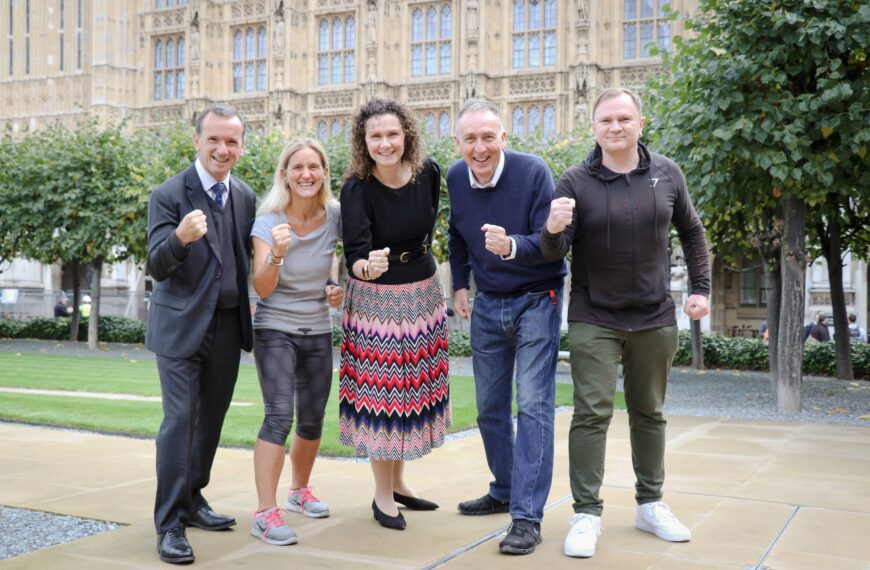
362,163
224,110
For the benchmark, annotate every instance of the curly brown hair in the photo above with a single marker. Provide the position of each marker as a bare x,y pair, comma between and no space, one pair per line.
362,163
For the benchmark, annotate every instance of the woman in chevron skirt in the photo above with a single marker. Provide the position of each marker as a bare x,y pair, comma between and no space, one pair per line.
394,396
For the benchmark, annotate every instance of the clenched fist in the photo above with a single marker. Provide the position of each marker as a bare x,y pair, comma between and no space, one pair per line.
496,239
378,262
561,214
280,240
192,227
334,295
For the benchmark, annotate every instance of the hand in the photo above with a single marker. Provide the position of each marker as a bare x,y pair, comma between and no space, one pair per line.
497,241
460,303
334,295
561,214
280,240
378,262
192,227
696,307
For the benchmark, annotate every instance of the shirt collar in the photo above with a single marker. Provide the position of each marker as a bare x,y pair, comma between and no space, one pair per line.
495,177
208,180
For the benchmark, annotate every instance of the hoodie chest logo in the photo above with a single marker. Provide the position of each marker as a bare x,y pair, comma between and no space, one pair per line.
654,181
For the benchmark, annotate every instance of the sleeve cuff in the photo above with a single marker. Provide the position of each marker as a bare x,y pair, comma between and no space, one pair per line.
179,251
513,253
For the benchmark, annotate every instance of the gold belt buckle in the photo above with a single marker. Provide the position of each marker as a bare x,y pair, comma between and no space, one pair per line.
405,257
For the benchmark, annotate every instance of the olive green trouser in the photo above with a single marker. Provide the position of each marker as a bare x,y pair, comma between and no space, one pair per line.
646,361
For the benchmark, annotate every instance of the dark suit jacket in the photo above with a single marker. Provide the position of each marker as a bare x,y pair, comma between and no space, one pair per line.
186,279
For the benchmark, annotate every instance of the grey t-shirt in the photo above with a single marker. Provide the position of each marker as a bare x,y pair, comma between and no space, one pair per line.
299,300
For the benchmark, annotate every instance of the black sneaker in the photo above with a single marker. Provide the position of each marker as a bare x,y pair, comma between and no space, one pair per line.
522,537
485,505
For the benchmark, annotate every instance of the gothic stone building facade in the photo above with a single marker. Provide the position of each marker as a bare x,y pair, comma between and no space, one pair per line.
306,65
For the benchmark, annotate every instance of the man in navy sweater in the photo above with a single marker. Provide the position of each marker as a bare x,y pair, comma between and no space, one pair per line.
499,201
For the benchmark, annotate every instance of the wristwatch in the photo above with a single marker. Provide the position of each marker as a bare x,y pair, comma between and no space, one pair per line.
270,259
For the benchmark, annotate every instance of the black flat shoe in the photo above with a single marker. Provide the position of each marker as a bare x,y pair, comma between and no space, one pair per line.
172,546
207,519
414,503
395,523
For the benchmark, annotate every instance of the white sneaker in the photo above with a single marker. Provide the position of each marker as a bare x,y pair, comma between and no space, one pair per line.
582,535
658,519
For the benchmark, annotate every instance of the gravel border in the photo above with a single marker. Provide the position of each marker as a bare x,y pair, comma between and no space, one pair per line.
23,530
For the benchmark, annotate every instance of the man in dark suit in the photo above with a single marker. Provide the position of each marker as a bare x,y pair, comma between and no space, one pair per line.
199,319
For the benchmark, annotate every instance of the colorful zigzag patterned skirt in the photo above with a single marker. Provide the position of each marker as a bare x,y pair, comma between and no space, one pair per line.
394,397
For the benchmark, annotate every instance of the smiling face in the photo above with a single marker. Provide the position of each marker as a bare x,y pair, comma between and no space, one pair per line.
385,140
304,174
617,125
481,138
219,144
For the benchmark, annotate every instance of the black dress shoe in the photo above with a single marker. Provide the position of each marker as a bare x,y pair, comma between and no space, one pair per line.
395,523
485,505
172,546
414,503
207,519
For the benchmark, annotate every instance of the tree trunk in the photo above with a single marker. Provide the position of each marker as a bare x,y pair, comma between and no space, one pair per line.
94,319
77,293
833,255
773,278
697,347
790,348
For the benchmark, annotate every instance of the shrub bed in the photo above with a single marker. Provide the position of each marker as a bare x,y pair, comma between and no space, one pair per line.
820,359
719,352
111,329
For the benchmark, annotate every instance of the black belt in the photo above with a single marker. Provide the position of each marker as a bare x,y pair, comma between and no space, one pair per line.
406,256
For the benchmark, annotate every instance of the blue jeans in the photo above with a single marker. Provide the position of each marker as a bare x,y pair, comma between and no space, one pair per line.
523,329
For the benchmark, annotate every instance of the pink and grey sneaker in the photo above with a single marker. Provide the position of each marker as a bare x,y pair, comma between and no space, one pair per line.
303,501
269,527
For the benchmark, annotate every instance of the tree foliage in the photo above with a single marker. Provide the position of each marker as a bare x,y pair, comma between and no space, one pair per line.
73,197
766,106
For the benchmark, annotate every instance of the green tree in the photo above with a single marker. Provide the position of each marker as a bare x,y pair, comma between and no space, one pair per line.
74,197
765,108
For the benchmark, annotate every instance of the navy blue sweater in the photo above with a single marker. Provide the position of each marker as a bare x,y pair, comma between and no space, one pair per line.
520,203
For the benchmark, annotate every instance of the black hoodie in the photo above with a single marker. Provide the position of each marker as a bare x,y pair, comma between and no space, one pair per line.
620,271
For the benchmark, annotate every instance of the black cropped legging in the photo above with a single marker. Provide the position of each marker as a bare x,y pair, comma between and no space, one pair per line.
293,369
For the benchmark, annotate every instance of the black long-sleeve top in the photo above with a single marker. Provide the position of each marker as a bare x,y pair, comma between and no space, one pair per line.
375,216
620,270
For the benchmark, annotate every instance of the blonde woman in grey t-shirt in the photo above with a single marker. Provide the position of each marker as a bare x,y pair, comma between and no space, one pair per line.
295,275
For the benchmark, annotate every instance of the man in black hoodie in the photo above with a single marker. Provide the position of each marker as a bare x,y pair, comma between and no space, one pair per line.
615,209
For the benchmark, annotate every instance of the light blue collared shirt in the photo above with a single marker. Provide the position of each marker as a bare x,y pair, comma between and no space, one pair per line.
208,181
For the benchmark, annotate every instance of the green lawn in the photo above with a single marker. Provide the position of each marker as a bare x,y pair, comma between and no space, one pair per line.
94,374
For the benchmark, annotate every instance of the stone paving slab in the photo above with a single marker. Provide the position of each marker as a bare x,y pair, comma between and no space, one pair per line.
755,494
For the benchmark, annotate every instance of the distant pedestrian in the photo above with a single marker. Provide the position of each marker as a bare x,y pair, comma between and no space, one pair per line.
85,306
856,332
62,308
809,326
820,331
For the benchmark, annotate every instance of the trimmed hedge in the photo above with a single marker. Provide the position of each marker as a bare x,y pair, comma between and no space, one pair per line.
820,359
111,329
736,353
